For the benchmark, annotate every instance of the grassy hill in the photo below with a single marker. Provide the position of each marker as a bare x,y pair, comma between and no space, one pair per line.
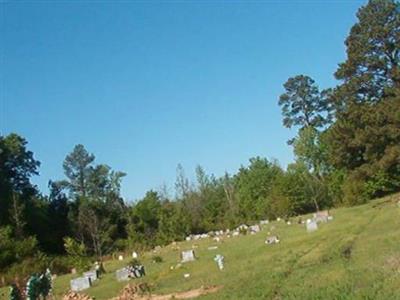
355,256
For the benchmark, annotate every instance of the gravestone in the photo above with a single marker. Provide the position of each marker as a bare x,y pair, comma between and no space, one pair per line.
92,275
122,274
242,227
321,216
272,240
80,284
255,228
134,255
219,259
311,225
188,256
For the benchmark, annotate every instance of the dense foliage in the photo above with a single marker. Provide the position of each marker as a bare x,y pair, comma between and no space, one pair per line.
347,151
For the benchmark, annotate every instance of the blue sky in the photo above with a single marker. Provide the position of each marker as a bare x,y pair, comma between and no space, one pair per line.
145,86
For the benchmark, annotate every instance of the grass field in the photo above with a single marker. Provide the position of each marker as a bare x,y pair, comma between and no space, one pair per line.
355,256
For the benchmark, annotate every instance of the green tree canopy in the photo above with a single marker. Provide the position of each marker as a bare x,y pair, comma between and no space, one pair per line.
303,104
372,68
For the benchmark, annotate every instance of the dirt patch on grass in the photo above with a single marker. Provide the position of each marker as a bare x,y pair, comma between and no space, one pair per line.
76,296
347,251
137,292
393,263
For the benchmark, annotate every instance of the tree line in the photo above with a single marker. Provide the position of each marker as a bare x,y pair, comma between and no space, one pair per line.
347,151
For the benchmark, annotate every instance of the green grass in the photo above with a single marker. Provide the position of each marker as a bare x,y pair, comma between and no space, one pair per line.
355,256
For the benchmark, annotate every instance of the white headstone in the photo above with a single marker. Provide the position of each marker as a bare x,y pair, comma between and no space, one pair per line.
120,257
188,256
134,254
272,240
187,275
80,284
311,225
122,274
219,259
321,216
242,227
92,275
255,228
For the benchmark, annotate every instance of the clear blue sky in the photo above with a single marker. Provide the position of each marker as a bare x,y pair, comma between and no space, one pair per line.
145,86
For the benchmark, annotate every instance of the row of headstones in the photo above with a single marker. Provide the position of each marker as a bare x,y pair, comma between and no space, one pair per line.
311,225
85,282
189,255
322,216
235,232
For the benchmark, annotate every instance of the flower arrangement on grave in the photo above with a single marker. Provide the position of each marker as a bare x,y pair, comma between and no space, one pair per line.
136,269
46,283
39,285
33,287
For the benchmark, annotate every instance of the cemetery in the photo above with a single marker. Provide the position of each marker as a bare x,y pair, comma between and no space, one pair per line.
320,236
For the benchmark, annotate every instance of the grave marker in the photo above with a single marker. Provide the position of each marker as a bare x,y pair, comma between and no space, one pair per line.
92,275
188,256
255,228
122,274
80,284
219,259
272,240
311,225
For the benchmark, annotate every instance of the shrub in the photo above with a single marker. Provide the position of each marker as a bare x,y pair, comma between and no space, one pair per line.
77,253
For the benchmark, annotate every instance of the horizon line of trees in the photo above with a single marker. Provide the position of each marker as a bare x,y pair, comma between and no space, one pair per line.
347,151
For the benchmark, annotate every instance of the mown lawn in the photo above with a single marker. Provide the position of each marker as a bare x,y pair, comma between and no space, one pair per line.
355,256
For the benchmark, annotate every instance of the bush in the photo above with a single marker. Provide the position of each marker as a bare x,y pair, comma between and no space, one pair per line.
12,250
353,192
20,272
61,264
134,262
77,253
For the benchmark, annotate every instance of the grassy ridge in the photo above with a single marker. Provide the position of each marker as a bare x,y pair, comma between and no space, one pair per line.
356,256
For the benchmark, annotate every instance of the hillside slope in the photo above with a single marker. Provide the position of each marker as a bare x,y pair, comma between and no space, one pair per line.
355,256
